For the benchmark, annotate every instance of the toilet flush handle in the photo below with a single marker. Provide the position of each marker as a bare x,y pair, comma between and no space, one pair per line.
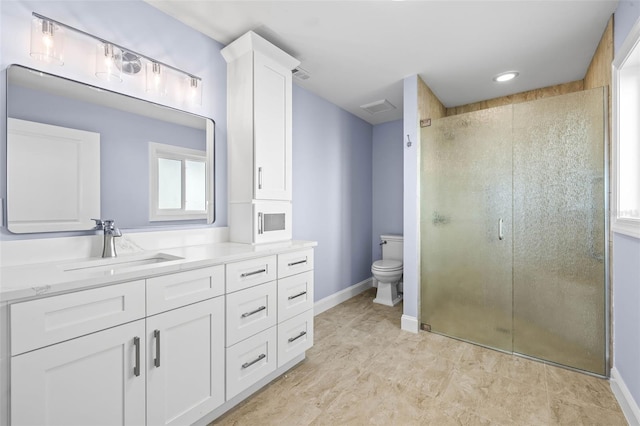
383,242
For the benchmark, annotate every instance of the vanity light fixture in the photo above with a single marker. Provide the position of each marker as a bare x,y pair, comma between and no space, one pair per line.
111,60
47,40
505,76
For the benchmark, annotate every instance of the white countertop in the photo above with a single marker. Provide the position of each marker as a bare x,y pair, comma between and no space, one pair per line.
44,279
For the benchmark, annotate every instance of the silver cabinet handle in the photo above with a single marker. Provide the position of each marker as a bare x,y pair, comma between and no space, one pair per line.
500,234
248,314
260,223
136,368
302,293
259,177
248,274
156,335
293,339
249,364
300,262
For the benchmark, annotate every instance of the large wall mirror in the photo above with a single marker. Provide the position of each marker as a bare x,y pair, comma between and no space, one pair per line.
76,152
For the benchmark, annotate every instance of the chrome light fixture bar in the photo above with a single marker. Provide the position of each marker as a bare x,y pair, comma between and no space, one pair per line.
126,60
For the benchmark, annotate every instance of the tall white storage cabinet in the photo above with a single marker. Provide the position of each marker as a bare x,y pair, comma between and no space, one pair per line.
259,86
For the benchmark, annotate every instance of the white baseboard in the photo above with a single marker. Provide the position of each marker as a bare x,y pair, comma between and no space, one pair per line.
625,399
337,298
408,323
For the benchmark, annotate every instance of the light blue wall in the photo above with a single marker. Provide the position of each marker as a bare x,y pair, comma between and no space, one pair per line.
410,202
387,182
626,260
626,14
332,190
140,27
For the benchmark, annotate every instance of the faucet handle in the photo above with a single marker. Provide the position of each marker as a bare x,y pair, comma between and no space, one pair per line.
110,225
99,224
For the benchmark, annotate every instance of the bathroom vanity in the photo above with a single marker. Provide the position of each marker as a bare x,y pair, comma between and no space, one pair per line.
172,337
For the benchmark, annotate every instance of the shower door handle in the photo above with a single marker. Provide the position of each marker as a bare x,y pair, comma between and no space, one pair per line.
500,233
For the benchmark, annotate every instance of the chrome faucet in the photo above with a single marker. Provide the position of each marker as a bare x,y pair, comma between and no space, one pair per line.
110,232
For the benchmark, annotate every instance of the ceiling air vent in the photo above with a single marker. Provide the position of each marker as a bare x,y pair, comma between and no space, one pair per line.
300,74
378,106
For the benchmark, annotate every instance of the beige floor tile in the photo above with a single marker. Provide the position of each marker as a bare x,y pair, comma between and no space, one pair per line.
566,412
580,388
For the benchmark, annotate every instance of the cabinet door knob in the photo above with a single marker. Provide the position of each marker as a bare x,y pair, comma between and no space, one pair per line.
156,336
136,368
302,293
250,363
248,314
293,339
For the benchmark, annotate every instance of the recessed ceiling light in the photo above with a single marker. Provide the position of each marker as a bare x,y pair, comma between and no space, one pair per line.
505,76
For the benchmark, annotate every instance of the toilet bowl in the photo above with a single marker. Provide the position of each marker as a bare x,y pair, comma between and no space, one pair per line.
387,273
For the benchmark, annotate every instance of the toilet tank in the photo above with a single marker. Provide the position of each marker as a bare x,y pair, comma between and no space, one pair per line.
393,248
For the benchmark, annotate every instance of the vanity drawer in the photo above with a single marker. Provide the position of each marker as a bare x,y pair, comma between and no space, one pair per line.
295,262
295,295
175,290
50,320
294,337
250,360
241,275
250,311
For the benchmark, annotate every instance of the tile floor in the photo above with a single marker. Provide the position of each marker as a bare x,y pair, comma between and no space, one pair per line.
364,370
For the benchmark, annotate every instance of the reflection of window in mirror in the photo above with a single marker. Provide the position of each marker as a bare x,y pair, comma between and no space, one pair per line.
177,183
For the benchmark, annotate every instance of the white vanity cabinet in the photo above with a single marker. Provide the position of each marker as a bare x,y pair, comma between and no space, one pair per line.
168,349
259,132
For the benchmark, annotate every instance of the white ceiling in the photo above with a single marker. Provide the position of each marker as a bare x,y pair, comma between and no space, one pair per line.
358,52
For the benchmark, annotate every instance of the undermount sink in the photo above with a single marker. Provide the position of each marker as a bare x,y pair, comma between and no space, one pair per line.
115,264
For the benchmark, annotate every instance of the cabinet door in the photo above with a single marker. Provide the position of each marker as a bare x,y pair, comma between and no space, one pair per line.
272,221
272,131
85,381
185,359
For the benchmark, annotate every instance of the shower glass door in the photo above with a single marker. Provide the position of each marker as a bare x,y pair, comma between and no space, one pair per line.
466,242
513,242
559,230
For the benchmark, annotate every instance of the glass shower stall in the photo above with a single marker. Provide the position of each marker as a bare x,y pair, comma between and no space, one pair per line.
513,229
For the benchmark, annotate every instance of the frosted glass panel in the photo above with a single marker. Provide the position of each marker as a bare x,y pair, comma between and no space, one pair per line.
559,222
466,188
195,185
169,184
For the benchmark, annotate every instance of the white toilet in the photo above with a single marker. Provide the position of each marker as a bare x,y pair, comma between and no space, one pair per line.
387,273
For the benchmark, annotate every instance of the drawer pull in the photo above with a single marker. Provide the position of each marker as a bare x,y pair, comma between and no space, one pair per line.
293,339
248,314
136,368
156,335
249,364
297,295
248,274
300,262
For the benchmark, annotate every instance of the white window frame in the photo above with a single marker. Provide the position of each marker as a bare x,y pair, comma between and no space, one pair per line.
620,223
157,151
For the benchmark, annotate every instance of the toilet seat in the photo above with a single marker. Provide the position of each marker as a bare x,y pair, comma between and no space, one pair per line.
387,265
